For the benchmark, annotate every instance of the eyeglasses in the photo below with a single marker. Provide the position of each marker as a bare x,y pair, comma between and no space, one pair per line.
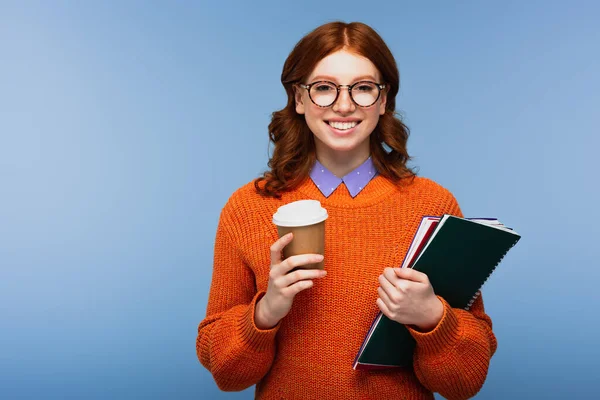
325,93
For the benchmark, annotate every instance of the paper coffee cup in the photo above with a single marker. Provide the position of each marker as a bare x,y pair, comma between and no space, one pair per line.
306,219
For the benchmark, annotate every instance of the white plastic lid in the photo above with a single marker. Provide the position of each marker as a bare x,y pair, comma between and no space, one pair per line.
300,213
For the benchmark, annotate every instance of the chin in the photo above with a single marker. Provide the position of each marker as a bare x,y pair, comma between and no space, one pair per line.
343,145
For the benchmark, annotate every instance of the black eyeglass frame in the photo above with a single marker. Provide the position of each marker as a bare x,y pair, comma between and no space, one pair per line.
380,86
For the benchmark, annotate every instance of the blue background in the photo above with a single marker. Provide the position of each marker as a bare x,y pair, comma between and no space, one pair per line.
124,128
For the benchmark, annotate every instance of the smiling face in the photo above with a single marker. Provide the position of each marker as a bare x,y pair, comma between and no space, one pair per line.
342,129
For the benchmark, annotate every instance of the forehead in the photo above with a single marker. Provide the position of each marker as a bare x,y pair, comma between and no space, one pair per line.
343,67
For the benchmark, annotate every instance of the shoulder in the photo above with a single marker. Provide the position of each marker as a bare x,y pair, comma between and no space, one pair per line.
428,187
246,193
245,204
428,192
243,198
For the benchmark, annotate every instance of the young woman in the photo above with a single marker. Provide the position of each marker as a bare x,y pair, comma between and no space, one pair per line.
295,334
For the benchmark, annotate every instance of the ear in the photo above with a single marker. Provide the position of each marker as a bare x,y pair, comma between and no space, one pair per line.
383,102
298,98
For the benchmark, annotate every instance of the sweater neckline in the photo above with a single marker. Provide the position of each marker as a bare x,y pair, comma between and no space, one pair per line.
377,190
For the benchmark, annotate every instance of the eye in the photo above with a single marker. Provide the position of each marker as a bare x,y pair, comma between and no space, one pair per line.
322,87
364,87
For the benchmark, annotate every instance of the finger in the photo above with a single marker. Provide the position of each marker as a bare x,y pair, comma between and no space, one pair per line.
384,309
278,246
411,275
299,260
392,277
387,286
384,296
390,274
300,275
298,287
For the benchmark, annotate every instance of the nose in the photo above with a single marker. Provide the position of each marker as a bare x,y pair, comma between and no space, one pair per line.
344,103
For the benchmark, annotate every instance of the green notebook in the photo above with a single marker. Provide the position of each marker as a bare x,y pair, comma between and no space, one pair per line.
458,255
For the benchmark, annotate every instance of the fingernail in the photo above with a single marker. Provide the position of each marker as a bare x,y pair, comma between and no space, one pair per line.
319,257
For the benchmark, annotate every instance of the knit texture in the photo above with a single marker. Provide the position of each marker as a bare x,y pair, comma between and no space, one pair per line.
309,354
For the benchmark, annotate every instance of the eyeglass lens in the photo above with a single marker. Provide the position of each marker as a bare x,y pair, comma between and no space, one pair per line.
324,93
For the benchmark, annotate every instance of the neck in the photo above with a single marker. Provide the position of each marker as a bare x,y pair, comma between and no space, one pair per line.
342,163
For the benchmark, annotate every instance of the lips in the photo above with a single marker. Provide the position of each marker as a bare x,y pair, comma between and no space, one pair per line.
342,128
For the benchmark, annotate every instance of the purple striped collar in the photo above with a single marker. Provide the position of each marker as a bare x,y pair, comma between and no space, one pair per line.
355,181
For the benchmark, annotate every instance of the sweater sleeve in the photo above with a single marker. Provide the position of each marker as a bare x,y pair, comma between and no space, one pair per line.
453,359
229,345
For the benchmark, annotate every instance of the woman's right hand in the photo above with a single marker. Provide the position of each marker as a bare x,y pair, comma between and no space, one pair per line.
283,284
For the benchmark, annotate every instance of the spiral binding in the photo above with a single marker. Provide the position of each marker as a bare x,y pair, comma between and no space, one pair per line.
478,293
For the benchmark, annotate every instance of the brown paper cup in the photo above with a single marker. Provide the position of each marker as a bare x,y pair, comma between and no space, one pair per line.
307,240
306,220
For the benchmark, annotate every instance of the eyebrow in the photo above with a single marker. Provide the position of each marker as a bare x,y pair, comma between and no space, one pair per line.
331,78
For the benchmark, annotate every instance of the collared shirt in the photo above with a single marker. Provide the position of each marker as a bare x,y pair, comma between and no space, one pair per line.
355,181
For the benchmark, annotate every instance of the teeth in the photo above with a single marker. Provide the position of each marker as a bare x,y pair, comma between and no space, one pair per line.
343,125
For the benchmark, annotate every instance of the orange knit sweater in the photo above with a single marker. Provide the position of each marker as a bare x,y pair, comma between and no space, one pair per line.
309,354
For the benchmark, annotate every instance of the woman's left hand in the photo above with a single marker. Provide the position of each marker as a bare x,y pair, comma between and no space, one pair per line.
407,297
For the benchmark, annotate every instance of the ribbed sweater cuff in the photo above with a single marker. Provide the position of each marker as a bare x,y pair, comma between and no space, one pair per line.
258,339
445,335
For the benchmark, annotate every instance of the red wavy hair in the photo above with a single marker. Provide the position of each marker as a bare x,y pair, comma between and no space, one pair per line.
294,146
